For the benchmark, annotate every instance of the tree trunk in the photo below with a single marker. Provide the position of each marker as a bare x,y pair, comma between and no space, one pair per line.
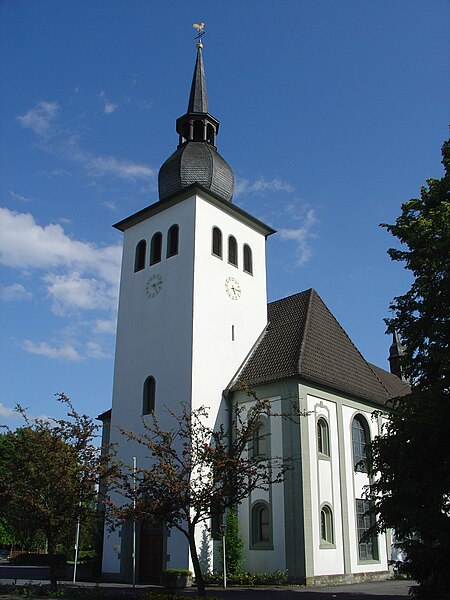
53,567
196,563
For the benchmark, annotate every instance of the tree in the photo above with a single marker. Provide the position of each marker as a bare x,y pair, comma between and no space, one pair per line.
233,544
412,495
48,477
196,472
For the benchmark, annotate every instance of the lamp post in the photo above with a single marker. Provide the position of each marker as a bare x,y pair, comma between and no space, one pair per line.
134,522
224,560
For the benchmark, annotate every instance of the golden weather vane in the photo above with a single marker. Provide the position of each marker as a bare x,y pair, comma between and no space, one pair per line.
200,27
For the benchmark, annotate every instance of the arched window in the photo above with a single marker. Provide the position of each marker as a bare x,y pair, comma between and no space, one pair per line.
232,251
155,248
323,437
217,242
139,257
260,441
248,259
326,525
172,241
360,440
148,402
261,526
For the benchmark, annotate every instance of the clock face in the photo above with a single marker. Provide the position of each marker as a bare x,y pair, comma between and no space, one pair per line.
153,285
233,288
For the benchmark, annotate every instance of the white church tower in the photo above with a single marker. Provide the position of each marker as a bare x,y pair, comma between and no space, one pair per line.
192,305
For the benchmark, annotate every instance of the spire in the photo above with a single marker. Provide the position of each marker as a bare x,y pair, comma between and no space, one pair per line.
196,160
198,100
396,354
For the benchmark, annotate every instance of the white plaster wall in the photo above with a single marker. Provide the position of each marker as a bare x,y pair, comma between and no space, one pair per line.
182,336
325,487
355,483
216,357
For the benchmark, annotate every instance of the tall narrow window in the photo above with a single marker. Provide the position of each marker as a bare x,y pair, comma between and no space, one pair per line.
217,242
261,527
326,525
259,441
232,251
148,402
360,439
155,248
172,241
248,259
323,437
139,258
367,544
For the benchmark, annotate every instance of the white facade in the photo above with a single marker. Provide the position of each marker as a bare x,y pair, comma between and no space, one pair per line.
192,335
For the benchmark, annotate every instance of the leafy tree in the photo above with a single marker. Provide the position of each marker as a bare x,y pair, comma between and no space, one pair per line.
48,476
196,472
233,544
413,494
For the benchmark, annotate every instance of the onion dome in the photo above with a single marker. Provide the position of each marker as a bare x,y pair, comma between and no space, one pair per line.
196,159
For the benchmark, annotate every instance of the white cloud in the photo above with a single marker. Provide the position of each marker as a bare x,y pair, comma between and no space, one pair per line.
109,107
94,350
64,352
260,186
300,235
6,412
16,291
105,326
49,246
71,291
18,197
40,119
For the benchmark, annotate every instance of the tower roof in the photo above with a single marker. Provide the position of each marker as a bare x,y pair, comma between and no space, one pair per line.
198,100
196,160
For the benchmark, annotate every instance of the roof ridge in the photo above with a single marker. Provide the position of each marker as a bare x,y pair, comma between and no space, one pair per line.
370,365
311,292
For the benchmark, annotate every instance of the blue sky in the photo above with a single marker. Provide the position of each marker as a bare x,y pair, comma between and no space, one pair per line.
332,114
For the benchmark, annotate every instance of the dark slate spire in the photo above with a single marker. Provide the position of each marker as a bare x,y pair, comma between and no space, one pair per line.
198,100
196,159
396,354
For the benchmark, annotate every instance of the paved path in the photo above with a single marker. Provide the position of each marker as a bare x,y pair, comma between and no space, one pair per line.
380,590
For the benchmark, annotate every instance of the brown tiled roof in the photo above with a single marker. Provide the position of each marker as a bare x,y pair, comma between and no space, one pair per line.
304,339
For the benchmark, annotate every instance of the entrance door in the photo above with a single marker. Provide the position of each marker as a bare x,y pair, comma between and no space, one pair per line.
150,554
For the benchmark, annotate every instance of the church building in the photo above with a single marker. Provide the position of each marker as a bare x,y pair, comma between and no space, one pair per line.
193,322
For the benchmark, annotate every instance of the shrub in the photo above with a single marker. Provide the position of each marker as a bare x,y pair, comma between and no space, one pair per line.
249,579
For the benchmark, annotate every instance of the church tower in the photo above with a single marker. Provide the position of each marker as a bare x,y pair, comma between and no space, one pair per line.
192,302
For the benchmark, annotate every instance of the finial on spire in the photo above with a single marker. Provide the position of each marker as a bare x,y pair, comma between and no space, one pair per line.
200,27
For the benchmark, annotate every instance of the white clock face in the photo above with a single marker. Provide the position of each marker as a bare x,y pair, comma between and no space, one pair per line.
233,288
153,285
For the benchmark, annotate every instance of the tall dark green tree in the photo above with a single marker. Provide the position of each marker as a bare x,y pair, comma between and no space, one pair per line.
413,493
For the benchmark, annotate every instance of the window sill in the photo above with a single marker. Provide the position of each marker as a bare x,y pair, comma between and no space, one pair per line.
327,545
322,456
262,546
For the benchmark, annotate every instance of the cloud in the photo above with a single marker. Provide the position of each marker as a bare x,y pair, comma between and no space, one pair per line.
18,197
16,291
105,326
301,235
6,412
65,352
41,118
261,186
71,291
94,350
65,144
109,107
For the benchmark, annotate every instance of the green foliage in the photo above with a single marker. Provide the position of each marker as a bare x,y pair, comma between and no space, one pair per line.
278,577
413,494
174,573
233,545
48,477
